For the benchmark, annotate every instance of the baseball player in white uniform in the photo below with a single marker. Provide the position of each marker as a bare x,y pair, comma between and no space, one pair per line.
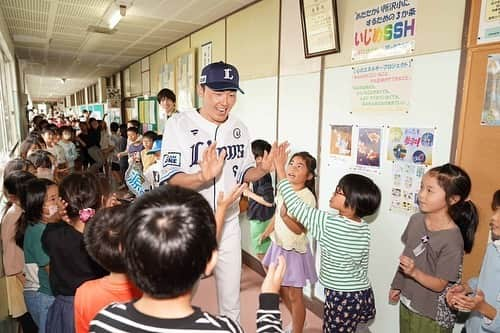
187,136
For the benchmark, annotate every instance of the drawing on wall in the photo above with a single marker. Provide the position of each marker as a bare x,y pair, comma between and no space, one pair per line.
206,54
340,140
382,86
369,147
385,30
491,108
406,179
412,145
185,81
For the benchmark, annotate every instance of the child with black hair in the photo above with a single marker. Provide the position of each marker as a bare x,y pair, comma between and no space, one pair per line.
63,242
148,139
12,254
260,214
39,202
118,144
173,229
44,164
435,240
345,244
481,295
69,148
102,241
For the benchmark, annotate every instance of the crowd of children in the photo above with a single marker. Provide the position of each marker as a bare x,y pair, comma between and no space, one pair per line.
79,257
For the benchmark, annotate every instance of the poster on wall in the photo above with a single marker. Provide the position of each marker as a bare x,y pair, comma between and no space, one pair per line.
382,86
489,22
385,30
185,81
166,77
411,145
406,179
113,96
206,54
490,115
340,140
369,148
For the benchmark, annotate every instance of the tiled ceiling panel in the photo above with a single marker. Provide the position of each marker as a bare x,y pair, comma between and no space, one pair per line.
52,40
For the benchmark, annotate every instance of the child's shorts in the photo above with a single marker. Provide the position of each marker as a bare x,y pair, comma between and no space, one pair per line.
257,227
344,310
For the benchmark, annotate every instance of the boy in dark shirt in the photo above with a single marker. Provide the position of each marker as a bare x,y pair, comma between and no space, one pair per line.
173,229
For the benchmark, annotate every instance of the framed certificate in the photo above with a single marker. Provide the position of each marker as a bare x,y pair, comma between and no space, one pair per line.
319,27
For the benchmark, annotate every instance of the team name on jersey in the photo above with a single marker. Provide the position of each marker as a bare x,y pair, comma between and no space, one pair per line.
232,151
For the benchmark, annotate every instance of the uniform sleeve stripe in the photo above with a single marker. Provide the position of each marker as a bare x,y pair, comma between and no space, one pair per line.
166,177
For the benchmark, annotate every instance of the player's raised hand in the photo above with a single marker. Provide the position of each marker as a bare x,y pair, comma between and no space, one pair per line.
280,158
211,164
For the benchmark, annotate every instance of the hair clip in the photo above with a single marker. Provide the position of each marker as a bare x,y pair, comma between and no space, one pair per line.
86,214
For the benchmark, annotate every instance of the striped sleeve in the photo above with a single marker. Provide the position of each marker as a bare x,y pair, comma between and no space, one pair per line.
268,314
311,218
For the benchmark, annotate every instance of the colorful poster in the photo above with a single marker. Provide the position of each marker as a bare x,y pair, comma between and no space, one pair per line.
489,22
369,147
340,140
385,30
406,179
491,108
382,86
412,145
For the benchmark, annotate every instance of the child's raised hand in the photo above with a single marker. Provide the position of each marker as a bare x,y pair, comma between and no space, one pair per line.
274,277
225,201
61,208
211,165
280,158
267,163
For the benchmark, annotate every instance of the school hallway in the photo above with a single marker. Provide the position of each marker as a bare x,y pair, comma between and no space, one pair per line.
206,298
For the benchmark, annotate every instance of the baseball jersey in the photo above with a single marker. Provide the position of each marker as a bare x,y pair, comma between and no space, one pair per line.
188,134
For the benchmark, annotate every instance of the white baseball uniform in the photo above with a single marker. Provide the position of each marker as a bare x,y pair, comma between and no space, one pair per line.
186,136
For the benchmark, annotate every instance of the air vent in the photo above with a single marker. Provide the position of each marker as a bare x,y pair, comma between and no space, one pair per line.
100,30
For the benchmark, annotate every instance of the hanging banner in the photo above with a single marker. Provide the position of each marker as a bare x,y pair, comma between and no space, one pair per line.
385,30
491,108
382,86
489,22
412,145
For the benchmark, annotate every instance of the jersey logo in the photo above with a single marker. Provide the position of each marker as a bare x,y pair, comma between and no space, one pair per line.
236,133
172,159
232,151
194,131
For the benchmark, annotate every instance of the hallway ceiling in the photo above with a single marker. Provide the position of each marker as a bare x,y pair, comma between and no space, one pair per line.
52,42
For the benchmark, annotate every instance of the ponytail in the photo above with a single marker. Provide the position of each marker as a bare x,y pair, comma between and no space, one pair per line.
456,183
465,216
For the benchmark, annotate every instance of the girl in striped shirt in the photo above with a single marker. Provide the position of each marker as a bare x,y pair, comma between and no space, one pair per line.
345,243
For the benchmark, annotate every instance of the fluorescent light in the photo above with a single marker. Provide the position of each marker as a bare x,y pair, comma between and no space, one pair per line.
114,19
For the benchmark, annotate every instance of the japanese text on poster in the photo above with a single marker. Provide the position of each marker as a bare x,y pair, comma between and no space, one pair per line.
369,146
382,86
491,108
412,145
406,179
385,30
489,22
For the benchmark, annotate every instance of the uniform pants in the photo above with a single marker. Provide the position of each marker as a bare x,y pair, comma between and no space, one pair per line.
228,270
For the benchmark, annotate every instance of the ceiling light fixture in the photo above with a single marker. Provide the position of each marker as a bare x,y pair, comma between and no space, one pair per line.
115,14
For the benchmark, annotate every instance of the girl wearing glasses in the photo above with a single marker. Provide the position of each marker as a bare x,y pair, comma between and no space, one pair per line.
345,243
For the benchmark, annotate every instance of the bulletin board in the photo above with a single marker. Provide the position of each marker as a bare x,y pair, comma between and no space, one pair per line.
148,113
432,105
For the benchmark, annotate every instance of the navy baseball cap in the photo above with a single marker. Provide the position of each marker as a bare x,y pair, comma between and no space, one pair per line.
220,76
